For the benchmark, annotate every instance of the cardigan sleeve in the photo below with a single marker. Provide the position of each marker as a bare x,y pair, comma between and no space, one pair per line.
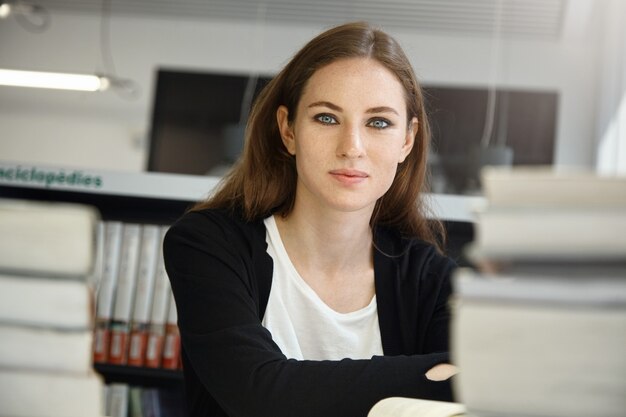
211,268
437,332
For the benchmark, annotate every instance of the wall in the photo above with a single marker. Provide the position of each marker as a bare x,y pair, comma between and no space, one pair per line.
611,126
105,131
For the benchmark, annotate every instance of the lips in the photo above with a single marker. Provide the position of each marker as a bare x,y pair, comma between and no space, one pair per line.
348,176
349,173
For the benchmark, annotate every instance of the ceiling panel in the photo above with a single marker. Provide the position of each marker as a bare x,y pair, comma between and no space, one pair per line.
513,18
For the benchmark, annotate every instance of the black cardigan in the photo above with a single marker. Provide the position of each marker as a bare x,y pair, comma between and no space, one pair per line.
221,278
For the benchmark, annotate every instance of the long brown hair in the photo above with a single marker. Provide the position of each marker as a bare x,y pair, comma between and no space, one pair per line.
263,181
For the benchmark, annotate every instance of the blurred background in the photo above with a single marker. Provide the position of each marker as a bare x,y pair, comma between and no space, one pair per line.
508,82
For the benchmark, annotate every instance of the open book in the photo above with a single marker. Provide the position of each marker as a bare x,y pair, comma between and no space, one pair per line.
413,407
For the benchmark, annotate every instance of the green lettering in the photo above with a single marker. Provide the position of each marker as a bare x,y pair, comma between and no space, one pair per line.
22,174
49,179
71,179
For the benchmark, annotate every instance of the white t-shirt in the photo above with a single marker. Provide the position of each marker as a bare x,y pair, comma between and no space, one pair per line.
303,326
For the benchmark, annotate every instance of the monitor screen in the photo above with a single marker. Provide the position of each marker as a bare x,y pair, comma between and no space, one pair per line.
198,118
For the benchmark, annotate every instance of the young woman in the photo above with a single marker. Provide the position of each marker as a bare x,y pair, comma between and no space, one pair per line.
311,283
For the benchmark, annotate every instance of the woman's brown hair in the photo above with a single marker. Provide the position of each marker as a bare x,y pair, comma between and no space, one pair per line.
263,181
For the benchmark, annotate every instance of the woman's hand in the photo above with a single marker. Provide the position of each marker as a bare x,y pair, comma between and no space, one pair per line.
441,372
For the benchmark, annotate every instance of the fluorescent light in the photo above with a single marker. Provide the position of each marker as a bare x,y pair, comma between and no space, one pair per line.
55,80
5,10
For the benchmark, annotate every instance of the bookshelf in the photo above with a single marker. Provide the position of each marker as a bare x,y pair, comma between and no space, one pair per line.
133,375
131,197
161,198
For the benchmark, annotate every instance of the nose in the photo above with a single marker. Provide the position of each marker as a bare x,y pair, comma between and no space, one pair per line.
350,144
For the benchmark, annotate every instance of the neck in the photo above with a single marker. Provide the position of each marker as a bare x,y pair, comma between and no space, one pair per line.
330,241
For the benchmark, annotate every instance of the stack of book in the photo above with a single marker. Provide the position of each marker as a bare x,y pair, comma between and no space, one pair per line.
47,255
135,317
539,326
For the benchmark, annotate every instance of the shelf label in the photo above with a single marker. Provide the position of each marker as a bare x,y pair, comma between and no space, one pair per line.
32,175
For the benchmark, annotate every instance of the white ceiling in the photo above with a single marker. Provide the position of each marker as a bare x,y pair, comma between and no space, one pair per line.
536,19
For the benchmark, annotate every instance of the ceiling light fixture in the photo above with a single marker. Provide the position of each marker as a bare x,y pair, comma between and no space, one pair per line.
5,10
57,80
36,18
32,17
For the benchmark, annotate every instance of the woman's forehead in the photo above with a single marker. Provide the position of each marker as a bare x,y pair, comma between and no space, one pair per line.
345,80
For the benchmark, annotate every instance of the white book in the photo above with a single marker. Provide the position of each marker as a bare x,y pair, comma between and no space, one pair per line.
546,213
106,288
51,239
28,394
46,350
105,400
146,273
551,233
107,284
41,302
118,400
539,359
161,297
565,289
413,407
124,294
159,311
98,269
127,277
541,186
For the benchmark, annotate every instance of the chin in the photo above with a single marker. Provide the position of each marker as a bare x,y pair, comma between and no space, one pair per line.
352,206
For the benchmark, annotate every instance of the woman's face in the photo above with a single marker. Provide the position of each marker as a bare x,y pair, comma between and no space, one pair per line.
349,135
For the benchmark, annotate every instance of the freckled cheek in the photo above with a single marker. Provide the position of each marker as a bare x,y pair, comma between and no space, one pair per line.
387,168
388,176
308,164
314,147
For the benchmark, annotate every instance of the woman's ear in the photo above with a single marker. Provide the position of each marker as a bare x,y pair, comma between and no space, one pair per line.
286,131
409,139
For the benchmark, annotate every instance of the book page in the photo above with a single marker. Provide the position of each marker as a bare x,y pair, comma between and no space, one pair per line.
413,407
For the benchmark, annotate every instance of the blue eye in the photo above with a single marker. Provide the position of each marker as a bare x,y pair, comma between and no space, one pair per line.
326,119
379,123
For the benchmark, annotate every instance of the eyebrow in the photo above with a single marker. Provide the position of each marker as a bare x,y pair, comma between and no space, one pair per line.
380,109
325,104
